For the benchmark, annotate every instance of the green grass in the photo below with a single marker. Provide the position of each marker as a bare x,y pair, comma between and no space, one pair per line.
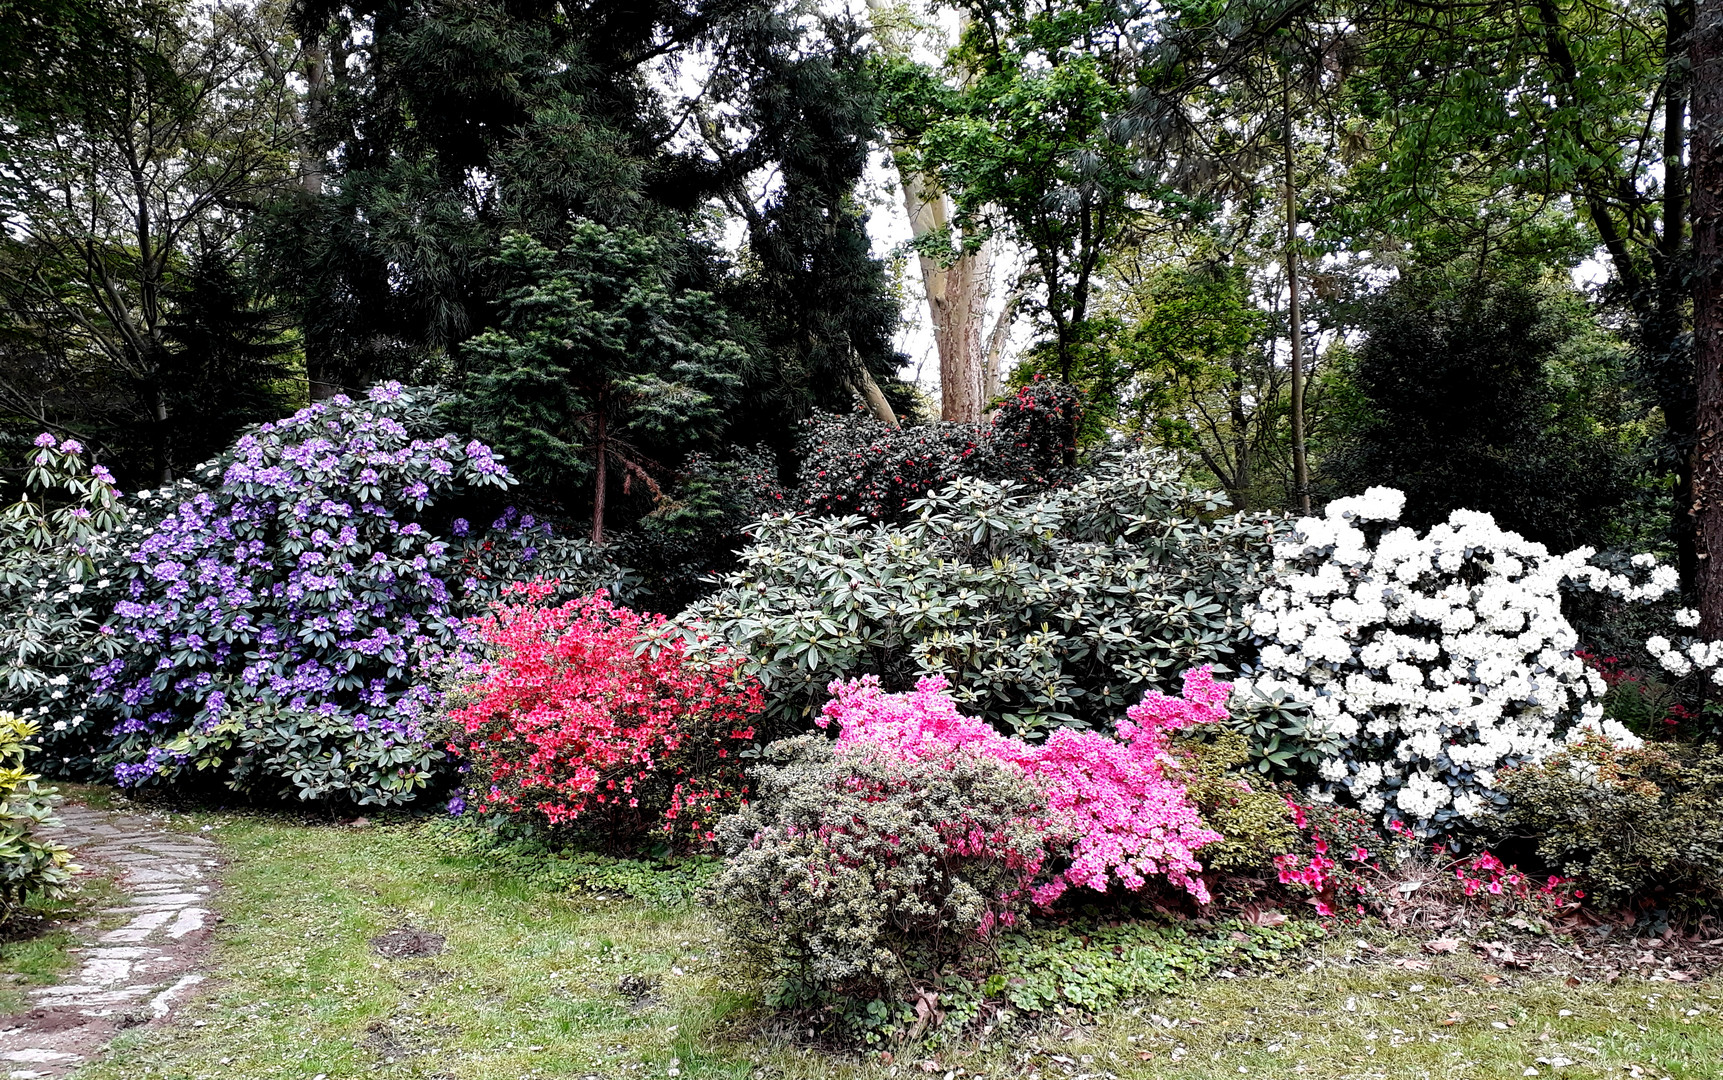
532,985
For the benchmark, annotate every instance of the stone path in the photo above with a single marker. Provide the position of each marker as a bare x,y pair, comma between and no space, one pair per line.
131,975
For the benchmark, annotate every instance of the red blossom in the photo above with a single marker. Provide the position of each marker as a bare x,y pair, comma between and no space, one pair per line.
575,704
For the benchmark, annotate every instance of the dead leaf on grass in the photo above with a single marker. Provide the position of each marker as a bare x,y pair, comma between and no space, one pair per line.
1263,917
1442,945
1412,963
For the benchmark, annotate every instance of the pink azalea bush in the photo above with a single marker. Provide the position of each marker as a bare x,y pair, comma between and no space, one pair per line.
1110,801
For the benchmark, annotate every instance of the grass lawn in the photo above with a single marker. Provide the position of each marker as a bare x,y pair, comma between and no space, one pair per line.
534,984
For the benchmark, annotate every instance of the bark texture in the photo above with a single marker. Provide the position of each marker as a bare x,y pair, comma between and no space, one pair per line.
1705,51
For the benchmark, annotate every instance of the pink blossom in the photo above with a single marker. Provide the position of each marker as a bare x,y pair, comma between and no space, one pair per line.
1109,800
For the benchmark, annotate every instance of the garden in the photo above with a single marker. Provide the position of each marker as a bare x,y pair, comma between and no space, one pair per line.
488,588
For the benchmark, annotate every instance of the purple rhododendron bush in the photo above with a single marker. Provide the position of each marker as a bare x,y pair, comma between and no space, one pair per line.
282,609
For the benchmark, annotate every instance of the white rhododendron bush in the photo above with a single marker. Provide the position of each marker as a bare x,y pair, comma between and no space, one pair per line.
1432,662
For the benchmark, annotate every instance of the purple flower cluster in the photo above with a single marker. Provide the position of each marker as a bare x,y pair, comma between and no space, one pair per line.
296,584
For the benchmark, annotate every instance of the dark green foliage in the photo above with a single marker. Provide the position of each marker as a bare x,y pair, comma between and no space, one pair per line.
819,302
1626,822
602,370
227,362
693,533
856,465
1048,609
454,125
846,882
1492,396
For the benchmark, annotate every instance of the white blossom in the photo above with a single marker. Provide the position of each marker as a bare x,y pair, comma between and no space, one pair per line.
1449,650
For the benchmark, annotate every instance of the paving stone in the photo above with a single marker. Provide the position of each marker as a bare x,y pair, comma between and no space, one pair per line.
140,972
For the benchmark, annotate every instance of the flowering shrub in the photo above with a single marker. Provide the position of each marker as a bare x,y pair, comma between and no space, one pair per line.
856,465
572,719
854,874
1341,866
28,862
1233,799
1430,663
1048,610
278,607
1642,703
59,549
1625,822
1107,802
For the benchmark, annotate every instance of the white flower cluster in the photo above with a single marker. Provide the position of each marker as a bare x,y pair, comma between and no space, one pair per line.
1431,662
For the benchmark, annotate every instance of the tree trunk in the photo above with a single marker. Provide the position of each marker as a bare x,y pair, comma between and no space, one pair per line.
1705,54
873,397
1295,321
164,453
311,161
599,478
993,373
956,295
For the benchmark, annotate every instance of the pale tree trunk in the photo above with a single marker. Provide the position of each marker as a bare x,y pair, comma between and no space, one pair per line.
993,376
957,294
1705,55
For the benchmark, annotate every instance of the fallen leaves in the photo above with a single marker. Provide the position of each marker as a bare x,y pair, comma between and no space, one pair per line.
1264,917
1442,945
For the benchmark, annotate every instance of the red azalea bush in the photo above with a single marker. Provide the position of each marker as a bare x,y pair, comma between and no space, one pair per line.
1341,868
577,718
857,465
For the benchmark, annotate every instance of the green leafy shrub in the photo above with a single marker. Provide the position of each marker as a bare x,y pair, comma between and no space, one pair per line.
1049,609
855,876
1625,822
28,863
1241,805
59,577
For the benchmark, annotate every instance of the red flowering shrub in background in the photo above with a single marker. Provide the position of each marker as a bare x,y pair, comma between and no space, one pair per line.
856,465
575,718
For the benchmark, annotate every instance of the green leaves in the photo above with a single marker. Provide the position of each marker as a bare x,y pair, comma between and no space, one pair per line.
600,356
1043,610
